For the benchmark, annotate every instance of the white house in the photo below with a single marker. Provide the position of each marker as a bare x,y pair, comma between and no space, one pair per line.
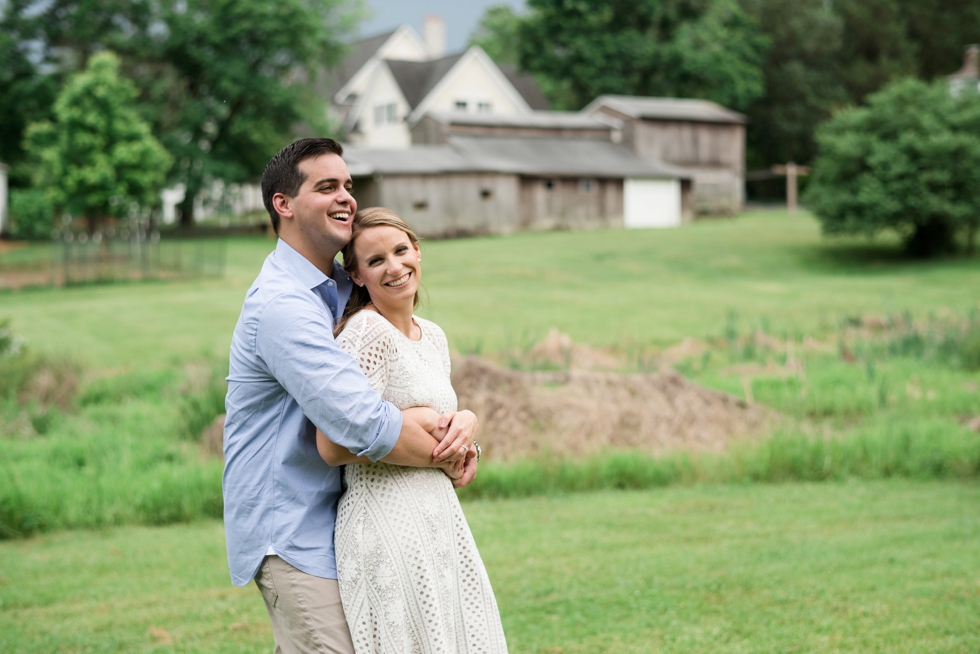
388,82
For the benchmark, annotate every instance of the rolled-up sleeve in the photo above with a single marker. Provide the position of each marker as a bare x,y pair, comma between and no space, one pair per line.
293,337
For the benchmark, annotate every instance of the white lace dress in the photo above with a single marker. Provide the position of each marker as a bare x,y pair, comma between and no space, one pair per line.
411,579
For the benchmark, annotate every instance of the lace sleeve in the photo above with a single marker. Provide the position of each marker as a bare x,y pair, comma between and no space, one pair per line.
367,340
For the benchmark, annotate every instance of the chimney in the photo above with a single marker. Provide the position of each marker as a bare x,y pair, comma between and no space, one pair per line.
434,33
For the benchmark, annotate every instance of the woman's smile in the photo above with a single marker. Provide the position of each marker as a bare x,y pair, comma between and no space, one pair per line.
401,281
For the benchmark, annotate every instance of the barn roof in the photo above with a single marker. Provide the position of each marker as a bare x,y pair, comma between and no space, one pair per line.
681,109
542,157
537,119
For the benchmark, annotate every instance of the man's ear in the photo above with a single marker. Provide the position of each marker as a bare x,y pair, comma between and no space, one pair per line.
283,204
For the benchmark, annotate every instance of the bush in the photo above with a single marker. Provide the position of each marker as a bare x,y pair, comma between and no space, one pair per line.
909,161
31,214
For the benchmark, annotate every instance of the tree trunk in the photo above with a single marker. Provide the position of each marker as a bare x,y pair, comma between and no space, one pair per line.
931,239
186,207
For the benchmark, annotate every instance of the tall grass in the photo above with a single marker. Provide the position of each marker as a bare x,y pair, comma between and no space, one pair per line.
917,451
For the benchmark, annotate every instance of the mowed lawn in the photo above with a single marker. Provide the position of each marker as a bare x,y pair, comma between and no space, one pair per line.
855,567
609,287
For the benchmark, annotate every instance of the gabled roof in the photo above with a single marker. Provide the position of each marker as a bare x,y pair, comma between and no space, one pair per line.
526,86
359,54
681,109
542,157
417,78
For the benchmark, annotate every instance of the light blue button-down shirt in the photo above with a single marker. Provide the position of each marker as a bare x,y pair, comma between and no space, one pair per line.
286,375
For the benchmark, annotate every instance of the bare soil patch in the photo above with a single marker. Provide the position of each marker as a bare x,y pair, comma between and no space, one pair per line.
572,414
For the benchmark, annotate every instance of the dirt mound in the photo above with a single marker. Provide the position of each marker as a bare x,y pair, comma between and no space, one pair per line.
525,414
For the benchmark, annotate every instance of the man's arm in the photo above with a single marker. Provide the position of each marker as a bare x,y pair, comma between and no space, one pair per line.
294,340
414,447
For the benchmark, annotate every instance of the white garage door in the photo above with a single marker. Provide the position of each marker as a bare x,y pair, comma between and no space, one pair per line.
651,203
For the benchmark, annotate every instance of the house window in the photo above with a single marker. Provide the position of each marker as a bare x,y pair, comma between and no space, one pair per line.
549,185
484,107
462,105
391,112
486,194
420,205
586,185
379,114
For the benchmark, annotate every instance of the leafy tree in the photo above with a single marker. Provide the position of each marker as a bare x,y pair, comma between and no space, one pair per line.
224,83
696,48
98,158
26,93
497,33
909,161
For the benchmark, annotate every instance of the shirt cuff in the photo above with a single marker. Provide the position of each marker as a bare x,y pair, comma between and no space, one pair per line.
387,436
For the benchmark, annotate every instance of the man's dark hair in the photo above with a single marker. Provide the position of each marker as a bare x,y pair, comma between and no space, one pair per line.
282,173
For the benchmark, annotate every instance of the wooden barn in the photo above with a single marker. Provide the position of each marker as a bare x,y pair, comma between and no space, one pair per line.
701,137
499,185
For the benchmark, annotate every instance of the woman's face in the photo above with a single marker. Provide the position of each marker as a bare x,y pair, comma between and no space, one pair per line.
388,265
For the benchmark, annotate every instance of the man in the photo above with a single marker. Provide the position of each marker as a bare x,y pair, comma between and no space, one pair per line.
287,378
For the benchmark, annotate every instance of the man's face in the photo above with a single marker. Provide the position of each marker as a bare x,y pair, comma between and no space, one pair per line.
323,208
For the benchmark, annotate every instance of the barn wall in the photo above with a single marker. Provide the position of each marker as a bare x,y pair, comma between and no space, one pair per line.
452,205
570,203
713,153
428,131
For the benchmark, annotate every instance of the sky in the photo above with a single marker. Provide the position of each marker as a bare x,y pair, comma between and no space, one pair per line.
460,17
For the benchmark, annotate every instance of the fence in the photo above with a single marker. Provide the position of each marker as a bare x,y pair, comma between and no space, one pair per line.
113,255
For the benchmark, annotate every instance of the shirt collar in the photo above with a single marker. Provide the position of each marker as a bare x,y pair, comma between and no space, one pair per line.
306,272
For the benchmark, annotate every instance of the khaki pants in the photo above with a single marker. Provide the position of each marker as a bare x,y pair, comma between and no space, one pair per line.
306,614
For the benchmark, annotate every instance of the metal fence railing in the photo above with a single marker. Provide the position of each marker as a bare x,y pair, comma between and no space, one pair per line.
113,255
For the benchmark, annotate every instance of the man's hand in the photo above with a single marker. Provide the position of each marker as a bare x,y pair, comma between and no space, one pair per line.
461,429
469,471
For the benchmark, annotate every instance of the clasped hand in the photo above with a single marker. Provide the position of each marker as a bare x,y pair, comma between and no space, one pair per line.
455,431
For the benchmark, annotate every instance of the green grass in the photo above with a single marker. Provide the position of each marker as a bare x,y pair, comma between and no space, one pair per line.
608,287
865,567
149,358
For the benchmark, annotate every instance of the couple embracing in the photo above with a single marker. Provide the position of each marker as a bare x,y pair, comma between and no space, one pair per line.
342,439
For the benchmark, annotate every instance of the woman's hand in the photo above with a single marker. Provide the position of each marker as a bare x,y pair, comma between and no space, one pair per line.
461,428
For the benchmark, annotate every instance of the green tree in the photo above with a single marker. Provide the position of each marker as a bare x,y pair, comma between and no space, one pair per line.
26,93
98,158
695,48
498,34
909,161
224,83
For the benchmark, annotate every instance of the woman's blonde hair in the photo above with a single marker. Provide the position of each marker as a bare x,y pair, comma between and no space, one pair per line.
365,219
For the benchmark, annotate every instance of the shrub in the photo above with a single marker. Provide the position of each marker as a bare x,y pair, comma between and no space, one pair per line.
909,161
31,214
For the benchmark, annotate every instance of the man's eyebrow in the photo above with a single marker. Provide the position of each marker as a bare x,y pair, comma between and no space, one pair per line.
331,180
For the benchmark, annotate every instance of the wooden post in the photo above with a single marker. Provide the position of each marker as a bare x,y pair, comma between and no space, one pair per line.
791,170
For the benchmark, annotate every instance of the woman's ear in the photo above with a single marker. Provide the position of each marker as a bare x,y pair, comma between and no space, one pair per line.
355,277
418,252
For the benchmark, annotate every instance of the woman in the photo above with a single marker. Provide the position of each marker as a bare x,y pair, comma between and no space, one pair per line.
411,579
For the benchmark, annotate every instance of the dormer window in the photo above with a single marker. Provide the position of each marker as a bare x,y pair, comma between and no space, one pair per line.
462,105
386,113
484,107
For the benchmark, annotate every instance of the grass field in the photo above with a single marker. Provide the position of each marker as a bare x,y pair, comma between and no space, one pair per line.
712,557
603,288
856,567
